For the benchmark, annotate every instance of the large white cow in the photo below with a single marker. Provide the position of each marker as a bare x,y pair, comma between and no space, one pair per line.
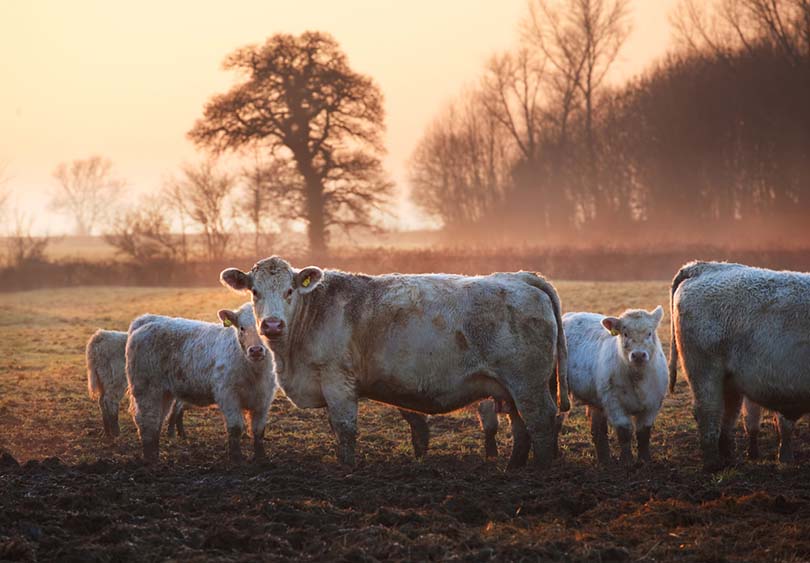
427,343
740,331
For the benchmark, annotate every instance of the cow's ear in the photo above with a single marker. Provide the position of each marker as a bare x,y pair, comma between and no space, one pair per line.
228,317
308,279
658,314
612,324
236,279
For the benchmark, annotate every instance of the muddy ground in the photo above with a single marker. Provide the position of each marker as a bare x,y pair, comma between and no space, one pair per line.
68,494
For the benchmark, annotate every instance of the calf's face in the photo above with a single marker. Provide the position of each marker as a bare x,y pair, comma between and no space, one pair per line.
636,332
276,289
243,322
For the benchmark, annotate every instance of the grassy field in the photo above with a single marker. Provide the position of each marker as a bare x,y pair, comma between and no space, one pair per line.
97,502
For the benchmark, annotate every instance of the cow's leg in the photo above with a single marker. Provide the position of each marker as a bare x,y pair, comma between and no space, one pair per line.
235,424
179,410
420,432
148,417
521,441
488,418
623,424
258,422
599,434
752,415
785,426
539,411
171,422
706,379
644,424
109,415
732,401
341,401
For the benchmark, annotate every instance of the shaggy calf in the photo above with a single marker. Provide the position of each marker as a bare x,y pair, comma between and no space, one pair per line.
200,363
106,375
617,368
752,415
107,380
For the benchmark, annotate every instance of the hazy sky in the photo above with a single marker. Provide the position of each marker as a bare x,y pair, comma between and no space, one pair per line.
127,80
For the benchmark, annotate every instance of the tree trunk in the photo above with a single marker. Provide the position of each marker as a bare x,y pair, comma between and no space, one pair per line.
316,227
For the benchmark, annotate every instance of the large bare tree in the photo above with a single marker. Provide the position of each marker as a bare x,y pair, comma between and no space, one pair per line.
86,190
300,98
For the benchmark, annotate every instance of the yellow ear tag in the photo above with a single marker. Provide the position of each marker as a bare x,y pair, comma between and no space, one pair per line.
305,283
614,332
227,322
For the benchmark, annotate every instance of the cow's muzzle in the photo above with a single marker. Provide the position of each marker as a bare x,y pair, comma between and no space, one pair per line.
272,327
256,353
639,357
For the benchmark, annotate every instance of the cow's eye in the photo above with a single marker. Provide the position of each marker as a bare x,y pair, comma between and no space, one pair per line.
255,294
649,335
241,329
288,293
625,335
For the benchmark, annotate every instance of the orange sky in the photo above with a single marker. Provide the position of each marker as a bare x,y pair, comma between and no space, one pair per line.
127,80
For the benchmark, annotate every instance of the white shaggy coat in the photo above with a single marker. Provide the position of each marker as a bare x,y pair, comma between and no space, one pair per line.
199,363
740,332
602,376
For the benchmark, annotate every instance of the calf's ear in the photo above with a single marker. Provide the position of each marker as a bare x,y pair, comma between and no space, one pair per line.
612,324
308,279
658,314
236,279
228,317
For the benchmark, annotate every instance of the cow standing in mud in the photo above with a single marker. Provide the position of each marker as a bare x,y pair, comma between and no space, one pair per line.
426,343
740,332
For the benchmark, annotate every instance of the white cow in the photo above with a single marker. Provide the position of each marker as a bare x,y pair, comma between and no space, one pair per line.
740,332
427,343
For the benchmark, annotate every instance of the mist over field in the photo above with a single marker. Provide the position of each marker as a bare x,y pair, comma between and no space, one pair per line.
585,149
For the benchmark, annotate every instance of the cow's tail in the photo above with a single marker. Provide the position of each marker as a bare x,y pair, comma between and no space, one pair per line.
543,285
690,270
94,385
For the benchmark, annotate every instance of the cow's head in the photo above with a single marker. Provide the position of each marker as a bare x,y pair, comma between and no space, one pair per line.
244,323
636,331
276,289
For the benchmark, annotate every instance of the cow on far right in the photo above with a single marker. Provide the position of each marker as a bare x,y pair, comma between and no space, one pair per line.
739,332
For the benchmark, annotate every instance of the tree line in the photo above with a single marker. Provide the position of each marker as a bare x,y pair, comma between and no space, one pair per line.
710,144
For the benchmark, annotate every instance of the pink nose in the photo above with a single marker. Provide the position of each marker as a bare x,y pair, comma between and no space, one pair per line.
272,327
638,357
256,352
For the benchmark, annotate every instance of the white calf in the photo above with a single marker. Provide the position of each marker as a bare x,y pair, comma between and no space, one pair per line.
200,363
617,368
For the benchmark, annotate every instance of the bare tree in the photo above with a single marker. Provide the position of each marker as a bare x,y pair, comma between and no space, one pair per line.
302,101
23,247
87,188
460,169
511,91
143,233
722,26
203,193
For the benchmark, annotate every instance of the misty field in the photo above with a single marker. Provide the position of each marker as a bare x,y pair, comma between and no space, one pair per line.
77,496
